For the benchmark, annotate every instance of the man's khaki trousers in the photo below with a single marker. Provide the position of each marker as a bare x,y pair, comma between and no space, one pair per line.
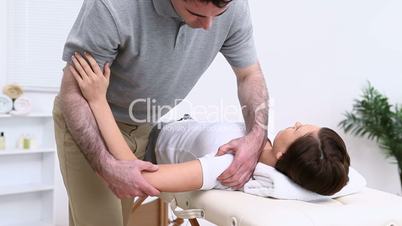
91,203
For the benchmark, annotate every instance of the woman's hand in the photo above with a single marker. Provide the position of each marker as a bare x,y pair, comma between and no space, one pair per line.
92,82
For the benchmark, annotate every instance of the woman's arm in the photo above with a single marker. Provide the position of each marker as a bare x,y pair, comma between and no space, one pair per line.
180,177
93,84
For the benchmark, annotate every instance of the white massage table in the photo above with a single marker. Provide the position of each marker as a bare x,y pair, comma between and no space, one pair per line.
228,208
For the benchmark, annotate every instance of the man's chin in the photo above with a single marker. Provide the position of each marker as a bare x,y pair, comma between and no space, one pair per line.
194,26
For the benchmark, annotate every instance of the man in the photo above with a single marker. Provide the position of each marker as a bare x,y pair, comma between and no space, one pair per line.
157,50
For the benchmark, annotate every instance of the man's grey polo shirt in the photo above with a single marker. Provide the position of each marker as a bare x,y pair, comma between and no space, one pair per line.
153,53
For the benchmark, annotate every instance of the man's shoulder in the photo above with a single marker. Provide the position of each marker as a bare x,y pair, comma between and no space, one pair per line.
126,7
234,14
123,3
240,6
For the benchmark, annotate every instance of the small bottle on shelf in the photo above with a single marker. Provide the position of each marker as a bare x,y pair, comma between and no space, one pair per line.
26,144
2,141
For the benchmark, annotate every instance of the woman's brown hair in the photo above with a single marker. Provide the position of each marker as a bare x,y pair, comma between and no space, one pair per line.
319,163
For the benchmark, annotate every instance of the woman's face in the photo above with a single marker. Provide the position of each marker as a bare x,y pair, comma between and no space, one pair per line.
287,136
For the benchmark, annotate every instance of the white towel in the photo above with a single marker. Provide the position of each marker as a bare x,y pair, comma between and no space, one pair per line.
268,182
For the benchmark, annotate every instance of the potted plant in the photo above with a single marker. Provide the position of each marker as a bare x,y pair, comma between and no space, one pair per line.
373,116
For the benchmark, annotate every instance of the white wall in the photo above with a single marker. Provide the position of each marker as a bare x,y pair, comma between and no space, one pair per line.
3,44
316,56
42,102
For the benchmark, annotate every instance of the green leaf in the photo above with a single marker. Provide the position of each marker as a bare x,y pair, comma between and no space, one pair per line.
372,116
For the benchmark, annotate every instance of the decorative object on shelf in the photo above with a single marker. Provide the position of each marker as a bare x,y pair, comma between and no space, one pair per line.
26,142
380,121
6,104
22,106
2,141
13,91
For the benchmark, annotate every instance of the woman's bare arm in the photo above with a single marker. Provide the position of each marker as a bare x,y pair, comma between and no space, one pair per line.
93,84
124,178
169,178
180,177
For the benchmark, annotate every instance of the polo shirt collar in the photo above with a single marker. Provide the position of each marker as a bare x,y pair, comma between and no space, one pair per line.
165,8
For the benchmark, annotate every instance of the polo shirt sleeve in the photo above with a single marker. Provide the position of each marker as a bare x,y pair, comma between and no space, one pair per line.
239,48
94,31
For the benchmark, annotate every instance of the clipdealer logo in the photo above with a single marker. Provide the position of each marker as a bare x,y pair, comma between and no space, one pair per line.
220,112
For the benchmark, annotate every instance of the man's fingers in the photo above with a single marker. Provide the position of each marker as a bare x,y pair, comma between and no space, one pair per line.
233,174
240,170
95,67
224,149
138,194
229,172
147,166
124,196
88,70
234,184
142,195
143,185
147,188
241,181
239,178
232,180
116,192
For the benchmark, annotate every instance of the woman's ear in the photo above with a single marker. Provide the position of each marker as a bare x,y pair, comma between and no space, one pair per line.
279,155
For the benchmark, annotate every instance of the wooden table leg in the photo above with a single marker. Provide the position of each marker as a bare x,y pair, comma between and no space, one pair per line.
194,222
163,213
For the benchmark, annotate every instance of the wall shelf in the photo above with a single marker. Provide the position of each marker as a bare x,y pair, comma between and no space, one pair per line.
31,115
27,177
25,188
37,223
26,152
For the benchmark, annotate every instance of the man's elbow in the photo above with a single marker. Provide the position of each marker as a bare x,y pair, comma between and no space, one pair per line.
70,94
251,72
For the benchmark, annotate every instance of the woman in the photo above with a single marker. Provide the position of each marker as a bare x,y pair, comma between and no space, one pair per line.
313,157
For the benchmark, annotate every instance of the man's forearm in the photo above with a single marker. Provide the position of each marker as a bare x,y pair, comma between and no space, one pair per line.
253,97
82,125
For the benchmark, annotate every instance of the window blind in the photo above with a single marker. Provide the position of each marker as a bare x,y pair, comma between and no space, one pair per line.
36,33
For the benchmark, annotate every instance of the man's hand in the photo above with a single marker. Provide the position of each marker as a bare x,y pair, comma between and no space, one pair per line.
247,151
253,97
125,180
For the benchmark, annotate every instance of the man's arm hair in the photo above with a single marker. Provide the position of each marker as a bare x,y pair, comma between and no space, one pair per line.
82,124
253,97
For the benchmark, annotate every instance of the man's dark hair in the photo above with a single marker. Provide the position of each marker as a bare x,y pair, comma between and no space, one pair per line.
217,3
319,164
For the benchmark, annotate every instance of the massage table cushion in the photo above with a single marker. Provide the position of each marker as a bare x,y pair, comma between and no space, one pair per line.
369,207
